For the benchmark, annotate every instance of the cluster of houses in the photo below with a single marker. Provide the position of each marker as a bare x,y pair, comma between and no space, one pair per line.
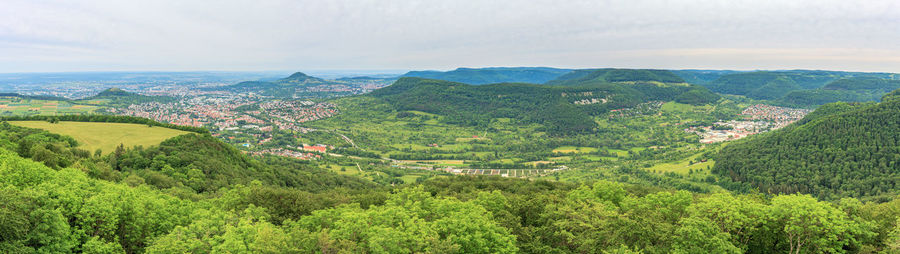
297,111
760,118
288,153
730,130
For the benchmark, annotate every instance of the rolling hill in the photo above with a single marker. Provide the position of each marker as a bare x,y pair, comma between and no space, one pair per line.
847,90
774,85
701,77
481,76
560,109
285,87
476,105
642,84
599,76
839,150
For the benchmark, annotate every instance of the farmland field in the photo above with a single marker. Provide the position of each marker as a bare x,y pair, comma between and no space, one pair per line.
24,107
106,136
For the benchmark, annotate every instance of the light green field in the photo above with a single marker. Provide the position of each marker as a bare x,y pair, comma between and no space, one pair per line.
682,167
573,149
344,170
676,107
106,136
410,178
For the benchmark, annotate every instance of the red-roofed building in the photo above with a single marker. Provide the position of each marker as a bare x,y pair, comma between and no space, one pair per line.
316,148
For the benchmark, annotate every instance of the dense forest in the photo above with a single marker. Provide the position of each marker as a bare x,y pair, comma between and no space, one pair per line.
840,150
481,76
805,88
845,90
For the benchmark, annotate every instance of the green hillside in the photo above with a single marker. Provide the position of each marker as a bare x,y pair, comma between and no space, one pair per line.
481,76
773,85
600,76
846,90
839,150
639,84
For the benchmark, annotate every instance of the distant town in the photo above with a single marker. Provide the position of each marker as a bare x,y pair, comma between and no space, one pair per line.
757,119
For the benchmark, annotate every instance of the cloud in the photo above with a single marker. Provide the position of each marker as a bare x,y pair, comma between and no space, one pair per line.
344,34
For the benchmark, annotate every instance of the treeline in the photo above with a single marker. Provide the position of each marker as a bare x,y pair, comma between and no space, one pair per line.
481,76
599,76
34,97
104,119
53,150
845,151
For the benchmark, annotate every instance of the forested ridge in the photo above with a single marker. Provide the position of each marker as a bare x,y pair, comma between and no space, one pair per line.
845,90
840,150
801,88
552,106
596,76
481,76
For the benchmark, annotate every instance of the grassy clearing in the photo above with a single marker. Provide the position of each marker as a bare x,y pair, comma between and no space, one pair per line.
106,136
410,178
344,170
574,149
672,106
682,167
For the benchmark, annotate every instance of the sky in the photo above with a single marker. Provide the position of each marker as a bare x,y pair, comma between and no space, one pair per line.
256,35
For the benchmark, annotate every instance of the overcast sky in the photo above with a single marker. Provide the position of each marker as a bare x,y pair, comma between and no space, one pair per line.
182,35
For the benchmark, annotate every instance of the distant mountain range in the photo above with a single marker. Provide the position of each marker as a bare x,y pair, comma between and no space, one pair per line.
795,88
481,76
801,87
